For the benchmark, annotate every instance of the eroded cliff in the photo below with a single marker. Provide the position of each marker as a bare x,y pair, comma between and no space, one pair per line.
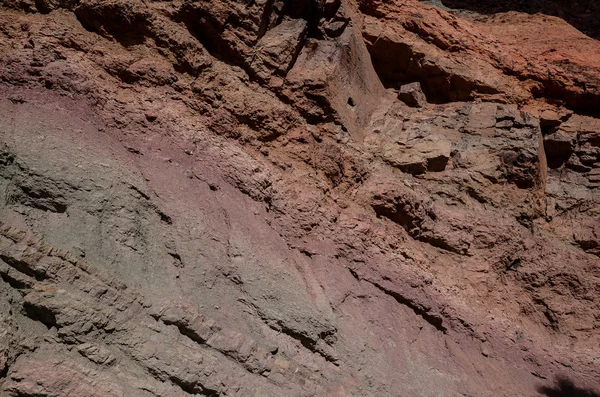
298,198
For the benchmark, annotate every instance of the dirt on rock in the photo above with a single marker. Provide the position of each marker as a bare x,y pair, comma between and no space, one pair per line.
299,198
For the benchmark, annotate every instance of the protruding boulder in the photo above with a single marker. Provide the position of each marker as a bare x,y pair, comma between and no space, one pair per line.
432,154
412,95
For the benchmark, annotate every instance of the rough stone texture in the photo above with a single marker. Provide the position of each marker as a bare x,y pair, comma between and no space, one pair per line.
229,198
412,95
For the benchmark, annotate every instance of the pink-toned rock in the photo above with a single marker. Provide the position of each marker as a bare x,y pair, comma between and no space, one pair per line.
232,198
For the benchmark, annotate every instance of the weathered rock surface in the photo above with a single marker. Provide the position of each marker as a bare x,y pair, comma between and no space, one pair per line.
412,95
298,198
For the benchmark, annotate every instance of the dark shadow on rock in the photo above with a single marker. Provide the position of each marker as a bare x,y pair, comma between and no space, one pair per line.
565,388
582,14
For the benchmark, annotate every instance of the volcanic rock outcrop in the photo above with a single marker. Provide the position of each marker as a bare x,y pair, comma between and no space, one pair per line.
299,198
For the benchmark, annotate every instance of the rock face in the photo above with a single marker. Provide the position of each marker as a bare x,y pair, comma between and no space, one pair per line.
298,198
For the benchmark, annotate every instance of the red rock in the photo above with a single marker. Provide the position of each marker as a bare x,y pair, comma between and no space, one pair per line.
293,228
